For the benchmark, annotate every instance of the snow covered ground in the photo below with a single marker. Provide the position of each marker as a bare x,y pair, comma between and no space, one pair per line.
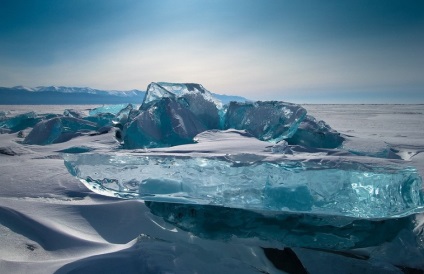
51,223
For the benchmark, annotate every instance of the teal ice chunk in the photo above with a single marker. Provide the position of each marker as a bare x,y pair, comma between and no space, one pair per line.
3,115
171,114
268,121
58,130
20,122
110,115
73,113
317,134
192,96
113,109
155,92
122,122
340,187
198,100
205,110
48,116
23,121
124,115
162,123
101,119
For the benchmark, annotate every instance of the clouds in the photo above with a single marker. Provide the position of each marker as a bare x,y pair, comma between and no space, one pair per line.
261,49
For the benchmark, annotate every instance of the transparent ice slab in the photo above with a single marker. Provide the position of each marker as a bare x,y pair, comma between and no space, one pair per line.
336,186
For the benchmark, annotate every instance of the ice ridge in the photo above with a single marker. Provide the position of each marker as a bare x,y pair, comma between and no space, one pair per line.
173,114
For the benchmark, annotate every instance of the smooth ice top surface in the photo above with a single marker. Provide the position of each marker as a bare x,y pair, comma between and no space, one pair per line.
257,179
156,91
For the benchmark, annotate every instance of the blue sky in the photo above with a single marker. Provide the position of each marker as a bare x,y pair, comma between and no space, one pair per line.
304,51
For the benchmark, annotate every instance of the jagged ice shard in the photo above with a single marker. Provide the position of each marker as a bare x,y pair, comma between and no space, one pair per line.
58,130
113,109
23,121
313,133
171,114
267,121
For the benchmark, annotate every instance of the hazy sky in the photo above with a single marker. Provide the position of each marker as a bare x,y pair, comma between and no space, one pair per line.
301,51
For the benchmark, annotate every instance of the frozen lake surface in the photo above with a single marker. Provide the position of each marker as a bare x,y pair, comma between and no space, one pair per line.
52,223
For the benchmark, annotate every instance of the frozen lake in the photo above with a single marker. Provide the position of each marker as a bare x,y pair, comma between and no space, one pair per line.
51,223
403,124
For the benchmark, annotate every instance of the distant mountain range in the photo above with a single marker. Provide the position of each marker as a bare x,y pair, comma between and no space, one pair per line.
54,95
